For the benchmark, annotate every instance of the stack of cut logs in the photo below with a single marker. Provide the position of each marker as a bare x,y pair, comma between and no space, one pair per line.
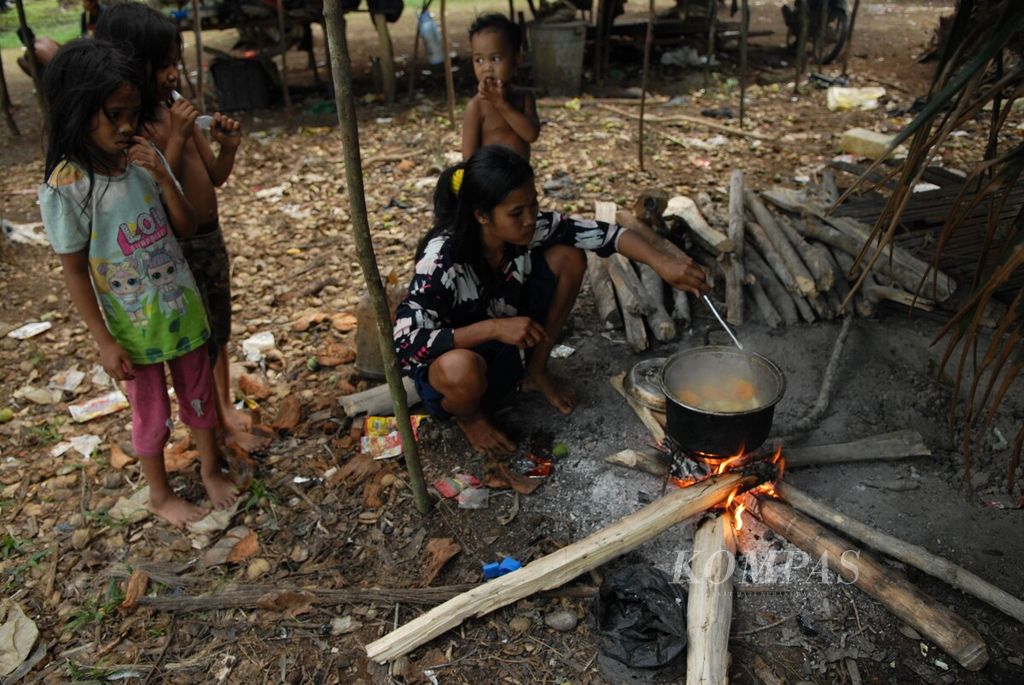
780,249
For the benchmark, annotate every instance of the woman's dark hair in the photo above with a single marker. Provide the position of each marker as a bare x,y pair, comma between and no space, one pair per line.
501,24
145,35
77,83
488,176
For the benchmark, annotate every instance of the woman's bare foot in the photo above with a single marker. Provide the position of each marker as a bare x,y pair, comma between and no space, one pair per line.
221,489
175,510
561,396
484,437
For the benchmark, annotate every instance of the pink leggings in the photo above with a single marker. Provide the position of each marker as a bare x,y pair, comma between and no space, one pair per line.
151,407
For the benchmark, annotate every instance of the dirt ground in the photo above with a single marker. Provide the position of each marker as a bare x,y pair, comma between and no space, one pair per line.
323,520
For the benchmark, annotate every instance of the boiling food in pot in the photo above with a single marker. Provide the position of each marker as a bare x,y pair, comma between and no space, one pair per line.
728,395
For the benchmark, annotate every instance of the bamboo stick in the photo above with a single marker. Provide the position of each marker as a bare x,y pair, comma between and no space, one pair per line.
951,633
709,602
559,567
341,73
914,555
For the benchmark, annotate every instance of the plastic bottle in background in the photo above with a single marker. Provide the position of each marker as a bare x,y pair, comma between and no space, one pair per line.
431,38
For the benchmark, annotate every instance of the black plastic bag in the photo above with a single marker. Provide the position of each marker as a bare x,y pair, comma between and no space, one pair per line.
638,618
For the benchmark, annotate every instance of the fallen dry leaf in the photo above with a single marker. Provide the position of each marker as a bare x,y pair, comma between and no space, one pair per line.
406,165
498,475
289,413
413,671
131,509
289,602
344,322
17,635
253,387
307,321
372,490
440,551
238,544
178,456
138,582
335,354
120,459
258,568
357,469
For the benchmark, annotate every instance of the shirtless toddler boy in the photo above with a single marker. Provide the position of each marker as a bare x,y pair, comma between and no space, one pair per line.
499,114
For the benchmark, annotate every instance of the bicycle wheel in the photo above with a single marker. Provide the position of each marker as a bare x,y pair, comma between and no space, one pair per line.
837,30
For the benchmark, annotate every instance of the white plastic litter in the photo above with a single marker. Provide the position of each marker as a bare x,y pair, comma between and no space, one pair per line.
255,346
30,330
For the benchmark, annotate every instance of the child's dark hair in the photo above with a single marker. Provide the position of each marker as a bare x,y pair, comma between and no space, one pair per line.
76,84
501,24
148,37
488,176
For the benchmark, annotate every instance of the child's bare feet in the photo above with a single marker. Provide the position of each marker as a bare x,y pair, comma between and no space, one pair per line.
483,436
561,396
221,489
175,510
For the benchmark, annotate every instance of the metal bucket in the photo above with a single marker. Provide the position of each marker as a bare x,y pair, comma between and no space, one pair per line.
556,53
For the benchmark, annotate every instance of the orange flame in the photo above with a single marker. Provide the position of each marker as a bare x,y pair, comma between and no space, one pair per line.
728,463
737,520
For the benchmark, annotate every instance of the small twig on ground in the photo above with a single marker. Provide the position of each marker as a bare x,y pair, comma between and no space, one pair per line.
753,631
828,381
163,652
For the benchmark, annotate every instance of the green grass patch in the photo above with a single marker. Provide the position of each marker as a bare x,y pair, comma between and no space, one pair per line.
45,18
96,610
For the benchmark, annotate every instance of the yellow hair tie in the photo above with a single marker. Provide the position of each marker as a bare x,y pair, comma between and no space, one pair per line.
457,180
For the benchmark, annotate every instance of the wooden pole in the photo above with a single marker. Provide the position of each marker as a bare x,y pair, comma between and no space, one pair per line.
33,63
734,267
449,80
559,567
744,37
649,38
341,71
197,30
709,602
801,45
387,56
5,102
415,62
849,37
283,46
951,633
916,556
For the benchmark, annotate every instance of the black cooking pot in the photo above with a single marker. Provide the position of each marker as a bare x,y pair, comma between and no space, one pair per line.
721,427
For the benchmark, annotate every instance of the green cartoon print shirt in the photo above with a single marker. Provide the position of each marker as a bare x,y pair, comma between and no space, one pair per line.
146,291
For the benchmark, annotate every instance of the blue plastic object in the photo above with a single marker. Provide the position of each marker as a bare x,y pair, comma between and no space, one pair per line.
492,570
508,564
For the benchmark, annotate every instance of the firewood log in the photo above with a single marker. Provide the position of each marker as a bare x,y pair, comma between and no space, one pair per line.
377,400
841,285
757,262
803,278
780,298
709,602
734,270
916,556
900,444
680,303
662,326
897,262
710,238
559,567
951,633
811,255
628,289
604,291
764,305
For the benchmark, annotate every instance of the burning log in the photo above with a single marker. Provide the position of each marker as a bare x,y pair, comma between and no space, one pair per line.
897,445
775,245
916,556
604,291
559,567
709,604
951,633
734,266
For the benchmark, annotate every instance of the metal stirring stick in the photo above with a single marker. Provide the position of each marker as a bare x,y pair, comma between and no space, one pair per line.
707,301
